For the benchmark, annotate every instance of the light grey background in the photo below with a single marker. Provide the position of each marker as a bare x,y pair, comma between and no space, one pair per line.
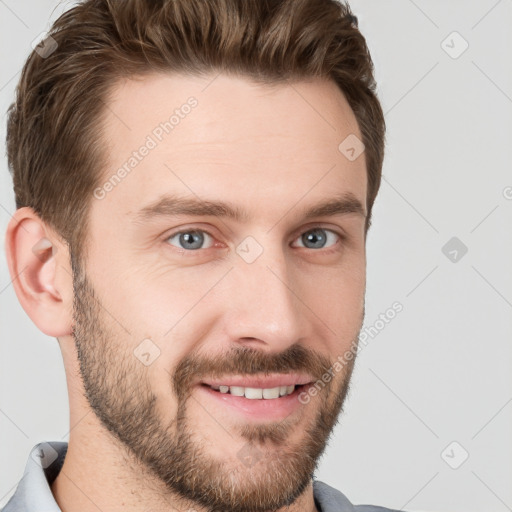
439,372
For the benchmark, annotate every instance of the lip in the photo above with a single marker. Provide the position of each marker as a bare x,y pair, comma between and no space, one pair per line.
260,409
262,381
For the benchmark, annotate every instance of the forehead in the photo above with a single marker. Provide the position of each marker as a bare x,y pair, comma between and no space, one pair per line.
225,136
224,103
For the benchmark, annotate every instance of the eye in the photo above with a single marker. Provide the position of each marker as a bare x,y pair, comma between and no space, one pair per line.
191,239
317,238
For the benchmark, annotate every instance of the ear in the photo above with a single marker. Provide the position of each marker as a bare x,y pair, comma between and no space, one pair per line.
40,270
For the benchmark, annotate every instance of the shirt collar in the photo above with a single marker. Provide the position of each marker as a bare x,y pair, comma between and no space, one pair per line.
34,492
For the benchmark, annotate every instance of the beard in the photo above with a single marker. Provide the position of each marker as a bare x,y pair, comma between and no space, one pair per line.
259,479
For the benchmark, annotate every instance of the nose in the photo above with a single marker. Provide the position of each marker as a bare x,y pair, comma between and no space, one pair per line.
266,309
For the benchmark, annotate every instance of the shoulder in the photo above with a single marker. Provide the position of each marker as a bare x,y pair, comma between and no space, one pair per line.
330,499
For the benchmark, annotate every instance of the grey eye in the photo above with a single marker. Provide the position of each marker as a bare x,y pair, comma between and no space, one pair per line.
316,238
191,239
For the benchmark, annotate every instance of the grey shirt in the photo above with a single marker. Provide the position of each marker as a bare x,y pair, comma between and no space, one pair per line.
34,494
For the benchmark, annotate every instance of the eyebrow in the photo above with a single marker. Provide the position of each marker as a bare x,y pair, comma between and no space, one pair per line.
174,205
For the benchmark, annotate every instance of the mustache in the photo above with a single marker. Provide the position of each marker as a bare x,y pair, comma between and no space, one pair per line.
247,361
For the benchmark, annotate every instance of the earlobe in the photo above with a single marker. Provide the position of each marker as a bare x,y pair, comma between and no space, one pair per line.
38,267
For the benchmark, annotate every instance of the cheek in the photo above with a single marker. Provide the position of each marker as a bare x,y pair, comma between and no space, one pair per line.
338,301
338,311
156,305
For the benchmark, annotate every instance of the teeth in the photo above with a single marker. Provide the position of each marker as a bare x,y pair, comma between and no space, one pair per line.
256,393
253,393
237,390
271,393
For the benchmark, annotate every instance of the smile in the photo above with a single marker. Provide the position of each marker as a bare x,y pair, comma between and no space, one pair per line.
256,393
270,398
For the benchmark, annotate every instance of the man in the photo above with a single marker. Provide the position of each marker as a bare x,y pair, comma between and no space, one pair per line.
194,182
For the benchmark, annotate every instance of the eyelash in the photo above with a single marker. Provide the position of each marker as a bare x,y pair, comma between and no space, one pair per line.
195,252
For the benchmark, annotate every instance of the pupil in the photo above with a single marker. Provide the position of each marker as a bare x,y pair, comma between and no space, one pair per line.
316,237
188,239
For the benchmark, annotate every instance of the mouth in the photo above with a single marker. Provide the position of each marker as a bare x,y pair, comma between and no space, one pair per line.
257,398
254,393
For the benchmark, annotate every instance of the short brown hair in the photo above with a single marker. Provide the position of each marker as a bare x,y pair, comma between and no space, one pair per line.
54,146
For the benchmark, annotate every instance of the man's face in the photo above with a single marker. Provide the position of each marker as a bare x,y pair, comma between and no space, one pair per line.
264,301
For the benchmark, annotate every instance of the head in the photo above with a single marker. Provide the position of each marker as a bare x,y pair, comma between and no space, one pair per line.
188,162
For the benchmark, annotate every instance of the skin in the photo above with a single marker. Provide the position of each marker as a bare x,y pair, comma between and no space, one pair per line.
145,437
